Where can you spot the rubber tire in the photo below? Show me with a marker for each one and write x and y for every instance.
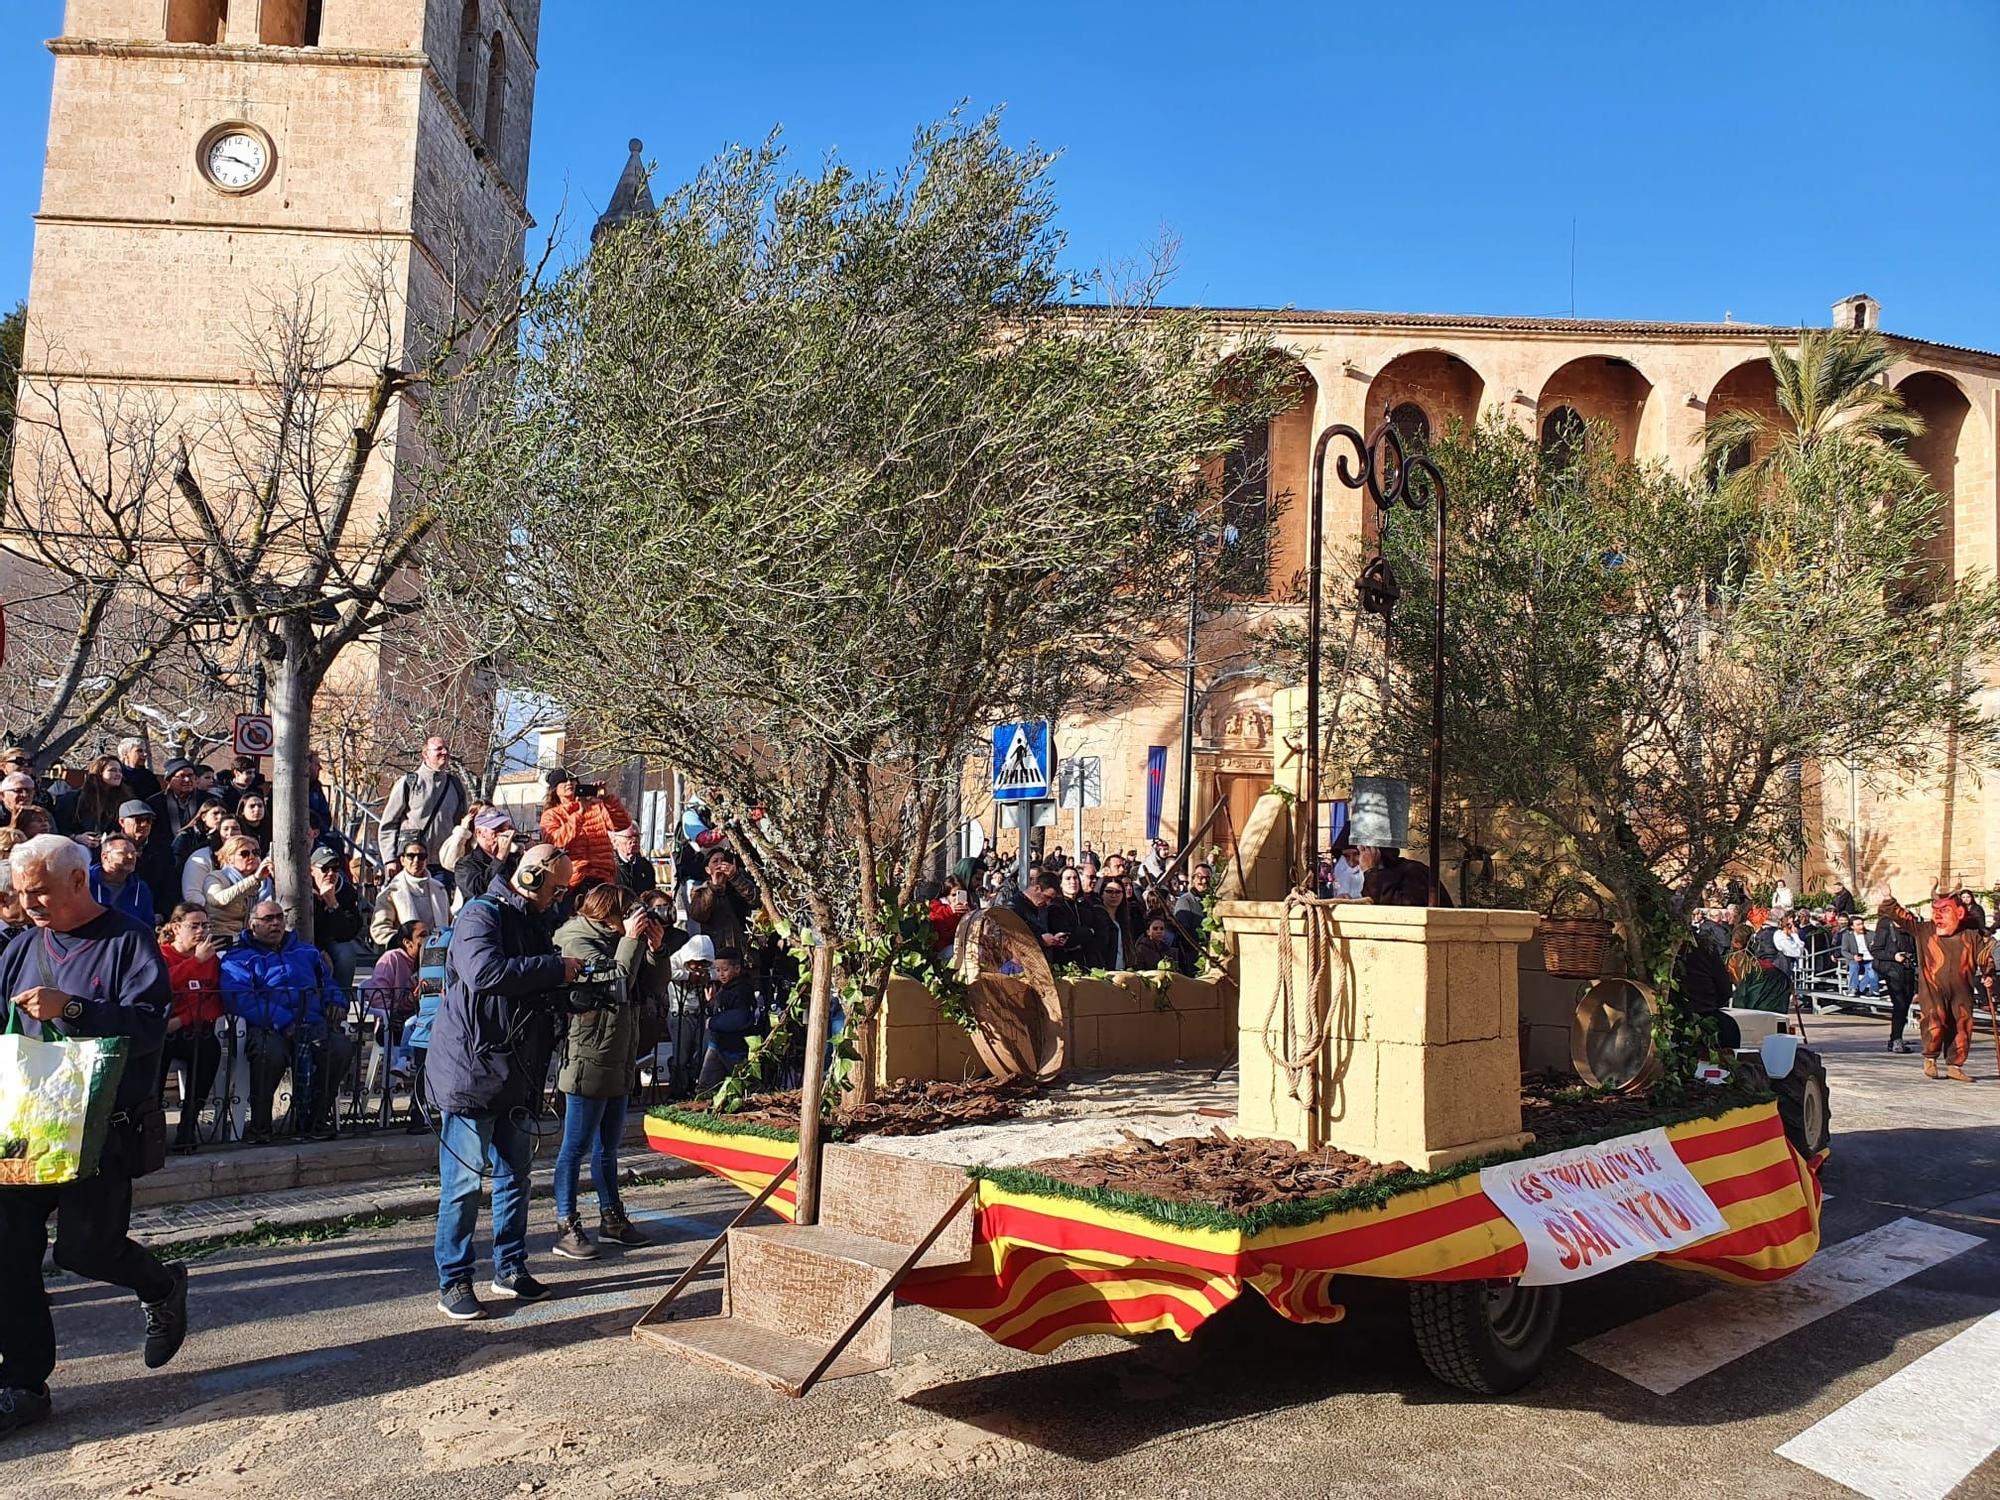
(1808, 1077)
(1455, 1334)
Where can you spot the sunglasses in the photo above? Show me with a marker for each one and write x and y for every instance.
(415, 854)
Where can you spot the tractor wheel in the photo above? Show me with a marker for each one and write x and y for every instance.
(1803, 1106)
(1487, 1337)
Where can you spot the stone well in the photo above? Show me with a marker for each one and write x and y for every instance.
(1421, 1057)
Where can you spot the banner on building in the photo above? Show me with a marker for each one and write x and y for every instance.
(1156, 789)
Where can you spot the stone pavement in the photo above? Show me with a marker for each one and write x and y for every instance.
(237, 1190)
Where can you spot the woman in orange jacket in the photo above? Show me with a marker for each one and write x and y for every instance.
(579, 816)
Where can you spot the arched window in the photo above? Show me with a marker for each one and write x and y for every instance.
(1562, 436)
(1246, 513)
(467, 79)
(1412, 426)
(496, 93)
(289, 23)
(203, 21)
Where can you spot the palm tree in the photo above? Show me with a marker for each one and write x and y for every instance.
(1835, 384)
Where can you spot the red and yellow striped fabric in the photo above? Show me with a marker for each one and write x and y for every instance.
(1047, 1269)
(747, 1161)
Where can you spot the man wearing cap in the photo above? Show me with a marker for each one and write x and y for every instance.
(424, 806)
(496, 850)
(336, 913)
(136, 758)
(177, 802)
(140, 822)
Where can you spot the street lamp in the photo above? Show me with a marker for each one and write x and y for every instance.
(1221, 539)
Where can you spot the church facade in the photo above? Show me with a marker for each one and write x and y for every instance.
(1653, 384)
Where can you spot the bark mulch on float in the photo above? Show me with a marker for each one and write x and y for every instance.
(1239, 1176)
(901, 1109)
(1231, 1173)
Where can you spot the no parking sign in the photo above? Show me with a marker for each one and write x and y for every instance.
(253, 734)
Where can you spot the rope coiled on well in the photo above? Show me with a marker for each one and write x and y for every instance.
(1299, 1061)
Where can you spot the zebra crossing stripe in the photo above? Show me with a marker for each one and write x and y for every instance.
(1918, 1434)
(1667, 1349)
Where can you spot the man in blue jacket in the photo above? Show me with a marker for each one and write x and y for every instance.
(293, 1015)
(115, 882)
(80, 969)
(480, 1082)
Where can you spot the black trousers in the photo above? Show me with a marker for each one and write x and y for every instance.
(1900, 980)
(197, 1048)
(92, 1218)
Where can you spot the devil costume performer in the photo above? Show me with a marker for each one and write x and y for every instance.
(1953, 960)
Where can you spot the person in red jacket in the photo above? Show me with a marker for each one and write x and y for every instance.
(194, 974)
(578, 817)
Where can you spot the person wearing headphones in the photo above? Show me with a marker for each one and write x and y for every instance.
(480, 1083)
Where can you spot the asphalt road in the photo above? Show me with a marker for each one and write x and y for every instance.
(323, 1370)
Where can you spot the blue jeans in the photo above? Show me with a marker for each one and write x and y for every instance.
(1861, 976)
(465, 1142)
(599, 1125)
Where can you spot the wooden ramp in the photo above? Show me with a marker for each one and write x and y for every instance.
(803, 1303)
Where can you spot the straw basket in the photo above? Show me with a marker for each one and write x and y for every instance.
(1577, 947)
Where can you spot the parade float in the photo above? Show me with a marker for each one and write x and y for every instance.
(1349, 1103)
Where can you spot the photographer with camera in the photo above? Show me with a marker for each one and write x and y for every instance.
(501, 975)
(720, 907)
(627, 962)
(579, 816)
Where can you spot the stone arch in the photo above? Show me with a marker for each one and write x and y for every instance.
(1749, 387)
(1947, 450)
(496, 93)
(465, 78)
(1437, 382)
(1600, 388)
(202, 21)
(1265, 484)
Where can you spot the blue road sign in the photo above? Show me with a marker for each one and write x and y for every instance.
(1024, 767)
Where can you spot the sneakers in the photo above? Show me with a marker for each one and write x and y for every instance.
(167, 1319)
(1904, 1048)
(22, 1408)
(458, 1303)
(572, 1243)
(520, 1286)
(616, 1229)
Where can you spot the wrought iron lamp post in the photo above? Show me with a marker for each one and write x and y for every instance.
(1385, 469)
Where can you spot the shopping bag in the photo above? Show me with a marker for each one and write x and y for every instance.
(57, 1096)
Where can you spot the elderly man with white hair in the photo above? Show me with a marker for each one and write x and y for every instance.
(136, 756)
(81, 969)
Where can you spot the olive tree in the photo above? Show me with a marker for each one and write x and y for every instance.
(801, 482)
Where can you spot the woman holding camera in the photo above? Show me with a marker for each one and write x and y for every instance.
(578, 816)
(600, 1053)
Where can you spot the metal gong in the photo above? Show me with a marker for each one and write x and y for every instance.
(1611, 1038)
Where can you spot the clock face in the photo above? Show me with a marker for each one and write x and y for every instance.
(236, 160)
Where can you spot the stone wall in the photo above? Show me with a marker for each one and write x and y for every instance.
(1127, 1021)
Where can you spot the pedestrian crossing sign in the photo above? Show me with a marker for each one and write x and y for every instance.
(1023, 762)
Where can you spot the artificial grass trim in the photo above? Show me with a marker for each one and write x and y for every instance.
(1294, 1213)
(714, 1124)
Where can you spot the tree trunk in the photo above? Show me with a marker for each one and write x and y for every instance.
(812, 1087)
(291, 736)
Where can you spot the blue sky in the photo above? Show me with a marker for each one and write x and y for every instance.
(1755, 159)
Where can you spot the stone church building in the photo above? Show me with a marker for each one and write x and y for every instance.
(1653, 384)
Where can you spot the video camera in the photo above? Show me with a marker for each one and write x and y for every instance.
(598, 986)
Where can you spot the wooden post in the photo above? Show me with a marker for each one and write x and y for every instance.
(819, 1009)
